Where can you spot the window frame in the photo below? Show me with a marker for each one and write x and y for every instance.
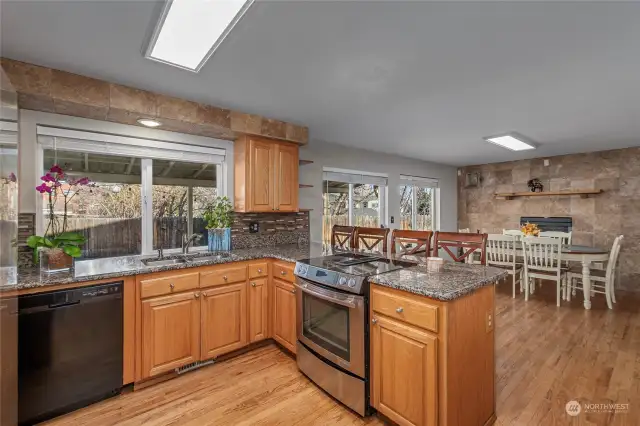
(424, 183)
(125, 140)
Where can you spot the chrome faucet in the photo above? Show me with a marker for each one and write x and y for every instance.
(187, 242)
(161, 242)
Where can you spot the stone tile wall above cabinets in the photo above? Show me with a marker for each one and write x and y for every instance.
(45, 89)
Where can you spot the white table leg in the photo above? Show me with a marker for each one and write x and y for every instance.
(586, 283)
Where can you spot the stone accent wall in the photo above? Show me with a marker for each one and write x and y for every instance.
(596, 220)
(275, 229)
(49, 90)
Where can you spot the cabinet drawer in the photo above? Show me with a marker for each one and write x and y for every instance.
(223, 275)
(257, 270)
(284, 271)
(169, 284)
(407, 309)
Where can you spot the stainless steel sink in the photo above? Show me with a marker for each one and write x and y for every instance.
(210, 257)
(163, 262)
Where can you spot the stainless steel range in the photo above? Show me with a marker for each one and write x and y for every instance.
(332, 322)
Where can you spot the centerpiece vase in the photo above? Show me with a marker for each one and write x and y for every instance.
(219, 239)
(54, 260)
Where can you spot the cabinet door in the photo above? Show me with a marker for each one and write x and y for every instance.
(261, 176)
(286, 178)
(404, 372)
(224, 319)
(284, 314)
(170, 332)
(258, 308)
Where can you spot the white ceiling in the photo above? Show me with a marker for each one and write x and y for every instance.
(418, 79)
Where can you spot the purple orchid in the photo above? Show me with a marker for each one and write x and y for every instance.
(56, 169)
(12, 177)
(47, 178)
(43, 188)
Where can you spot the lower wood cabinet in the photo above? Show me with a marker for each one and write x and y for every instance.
(224, 319)
(170, 332)
(258, 309)
(284, 314)
(404, 383)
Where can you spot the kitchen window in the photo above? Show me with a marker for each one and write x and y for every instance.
(353, 199)
(418, 203)
(144, 194)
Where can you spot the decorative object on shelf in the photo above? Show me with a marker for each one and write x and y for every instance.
(57, 248)
(435, 264)
(530, 229)
(535, 185)
(472, 180)
(219, 217)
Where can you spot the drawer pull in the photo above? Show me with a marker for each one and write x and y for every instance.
(399, 310)
(259, 270)
(374, 320)
(172, 286)
(225, 278)
(197, 295)
(293, 291)
(253, 284)
(283, 273)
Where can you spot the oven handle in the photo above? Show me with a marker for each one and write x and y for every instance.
(328, 295)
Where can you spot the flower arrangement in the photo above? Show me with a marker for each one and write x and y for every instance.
(219, 217)
(57, 241)
(530, 229)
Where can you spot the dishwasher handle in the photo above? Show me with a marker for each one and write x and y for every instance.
(63, 304)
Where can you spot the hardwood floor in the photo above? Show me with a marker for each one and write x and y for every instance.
(546, 356)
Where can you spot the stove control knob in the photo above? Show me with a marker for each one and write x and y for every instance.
(352, 282)
(342, 281)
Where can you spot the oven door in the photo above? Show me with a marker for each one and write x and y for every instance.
(331, 324)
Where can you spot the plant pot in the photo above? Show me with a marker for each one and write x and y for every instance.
(219, 239)
(54, 260)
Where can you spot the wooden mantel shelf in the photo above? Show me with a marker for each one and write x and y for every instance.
(583, 193)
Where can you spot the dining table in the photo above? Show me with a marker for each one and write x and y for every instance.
(587, 256)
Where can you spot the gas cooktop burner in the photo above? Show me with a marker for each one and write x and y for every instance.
(346, 271)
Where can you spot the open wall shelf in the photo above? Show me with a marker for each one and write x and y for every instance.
(302, 185)
(304, 162)
(583, 193)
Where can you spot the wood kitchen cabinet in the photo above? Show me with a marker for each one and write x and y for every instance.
(170, 332)
(266, 175)
(224, 319)
(258, 309)
(284, 314)
(405, 370)
(432, 361)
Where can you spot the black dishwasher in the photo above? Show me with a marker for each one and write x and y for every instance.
(69, 350)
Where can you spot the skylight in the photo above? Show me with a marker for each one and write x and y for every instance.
(189, 31)
(511, 141)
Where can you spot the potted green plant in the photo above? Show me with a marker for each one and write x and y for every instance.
(219, 217)
(56, 249)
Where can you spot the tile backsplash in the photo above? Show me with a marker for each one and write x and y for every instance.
(274, 229)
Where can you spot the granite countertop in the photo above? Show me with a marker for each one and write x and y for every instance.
(455, 281)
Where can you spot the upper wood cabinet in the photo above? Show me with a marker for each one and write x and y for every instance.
(266, 175)
(170, 332)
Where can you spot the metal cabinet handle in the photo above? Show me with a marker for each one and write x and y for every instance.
(172, 286)
(293, 291)
(225, 278)
(253, 284)
(259, 270)
(197, 295)
(399, 310)
(283, 272)
(374, 321)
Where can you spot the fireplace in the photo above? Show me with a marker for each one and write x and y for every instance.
(561, 224)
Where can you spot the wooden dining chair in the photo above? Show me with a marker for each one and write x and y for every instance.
(543, 261)
(373, 239)
(602, 281)
(461, 246)
(411, 242)
(501, 252)
(342, 237)
(565, 237)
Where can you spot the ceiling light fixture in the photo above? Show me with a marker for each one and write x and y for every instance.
(149, 122)
(189, 31)
(512, 141)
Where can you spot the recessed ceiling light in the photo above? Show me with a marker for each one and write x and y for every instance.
(148, 122)
(189, 31)
(512, 141)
